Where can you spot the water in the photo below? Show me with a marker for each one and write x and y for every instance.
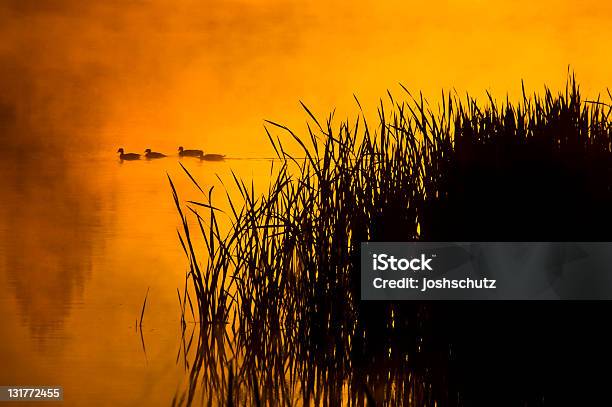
(77, 257)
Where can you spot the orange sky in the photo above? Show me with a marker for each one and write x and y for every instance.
(206, 73)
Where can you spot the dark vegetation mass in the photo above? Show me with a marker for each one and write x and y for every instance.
(276, 297)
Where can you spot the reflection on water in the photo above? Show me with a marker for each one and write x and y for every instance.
(77, 256)
(50, 218)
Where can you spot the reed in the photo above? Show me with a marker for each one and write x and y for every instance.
(278, 294)
(144, 306)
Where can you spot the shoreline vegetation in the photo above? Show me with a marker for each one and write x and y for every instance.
(276, 300)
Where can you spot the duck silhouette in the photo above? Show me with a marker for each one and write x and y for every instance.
(127, 156)
(212, 157)
(190, 153)
(152, 154)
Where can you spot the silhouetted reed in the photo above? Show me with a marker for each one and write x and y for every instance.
(277, 294)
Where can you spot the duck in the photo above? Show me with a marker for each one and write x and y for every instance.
(212, 157)
(190, 153)
(127, 156)
(152, 154)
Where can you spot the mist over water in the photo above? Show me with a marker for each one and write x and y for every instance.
(98, 74)
(83, 236)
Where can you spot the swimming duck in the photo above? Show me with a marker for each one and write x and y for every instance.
(212, 157)
(190, 153)
(128, 156)
(152, 154)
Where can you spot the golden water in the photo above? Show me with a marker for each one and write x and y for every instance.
(77, 260)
